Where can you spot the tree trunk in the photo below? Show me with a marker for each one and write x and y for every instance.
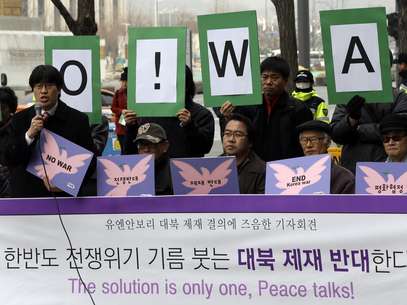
(288, 42)
(85, 24)
(402, 33)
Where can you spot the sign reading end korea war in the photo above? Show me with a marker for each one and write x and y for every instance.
(230, 58)
(356, 54)
(78, 60)
(156, 83)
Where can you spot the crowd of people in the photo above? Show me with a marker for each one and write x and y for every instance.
(283, 126)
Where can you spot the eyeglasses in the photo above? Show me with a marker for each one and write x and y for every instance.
(313, 140)
(236, 134)
(41, 85)
(395, 138)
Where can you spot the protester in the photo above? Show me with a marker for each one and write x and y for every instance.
(190, 133)
(276, 118)
(238, 139)
(355, 125)
(314, 137)
(304, 92)
(152, 139)
(25, 127)
(119, 104)
(393, 130)
(8, 105)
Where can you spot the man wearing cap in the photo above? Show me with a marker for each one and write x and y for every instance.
(304, 92)
(152, 139)
(314, 137)
(119, 103)
(393, 129)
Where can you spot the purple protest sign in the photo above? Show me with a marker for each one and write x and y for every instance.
(381, 178)
(130, 175)
(204, 176)
(305, 175)
(65, 162)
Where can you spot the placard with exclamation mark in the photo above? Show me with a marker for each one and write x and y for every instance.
(157, 69)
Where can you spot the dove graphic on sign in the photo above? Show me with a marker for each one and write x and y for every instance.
(122, 178)
(56, 159)
(375, 182)
(204, 181)
(293, 181)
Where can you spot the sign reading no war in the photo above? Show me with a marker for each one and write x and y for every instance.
(230, 58)
(356, 54)
(77, 58)
(156, 79)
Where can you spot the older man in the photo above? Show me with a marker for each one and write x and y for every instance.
(238, 141)
(152, 139)
(315, 138)
(393, 129)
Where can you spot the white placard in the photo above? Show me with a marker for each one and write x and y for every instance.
(355, 259)
(146, 71)
(230, 83)
(73, 77)
(358, 77)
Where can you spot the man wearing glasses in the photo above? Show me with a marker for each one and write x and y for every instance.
(315, 138)
(238, 141)
(25, 127)
(393, 129)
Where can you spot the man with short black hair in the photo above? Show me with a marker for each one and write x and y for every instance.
(315, 138)
(276, 118)
(238, 139)
(152, 139)
(25, 127)
(393, 129)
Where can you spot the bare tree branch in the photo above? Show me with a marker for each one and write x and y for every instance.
(288, 41)
(70, 22)
(85, 24)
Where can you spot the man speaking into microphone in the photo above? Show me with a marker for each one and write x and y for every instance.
(50, 112)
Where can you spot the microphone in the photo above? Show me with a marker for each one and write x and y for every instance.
(38, 109)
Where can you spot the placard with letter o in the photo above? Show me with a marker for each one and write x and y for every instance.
(78, 60)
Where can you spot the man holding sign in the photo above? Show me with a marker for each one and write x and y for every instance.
(276, 118)
(190, 133)
(356, 54)
(50, 112)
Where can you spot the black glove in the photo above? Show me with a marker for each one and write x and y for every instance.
(354, 107)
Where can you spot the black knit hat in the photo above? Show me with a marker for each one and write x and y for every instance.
(393, 122)
(315, 125)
